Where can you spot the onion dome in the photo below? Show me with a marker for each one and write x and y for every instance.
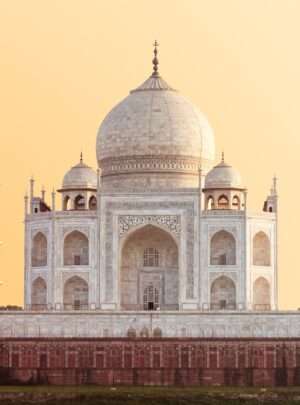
(155, 130)
(79, 177)
(223, 176)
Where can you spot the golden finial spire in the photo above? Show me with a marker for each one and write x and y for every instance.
(155, 60)
(81, 157)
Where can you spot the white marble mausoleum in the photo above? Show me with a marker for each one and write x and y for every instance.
(158, 227)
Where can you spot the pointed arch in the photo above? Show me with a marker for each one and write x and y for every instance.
(92, 203)
(236, 202)
(39, 250)
(39, 294)
(67, 203)
(210, 203)
(261, 295)
(223, 202)
(149, 267)
(157, 332)
(76, 249)
(222, 249)
(223, 294)
(76, 294)
(131, 333)
(79, 202)
(261, 249)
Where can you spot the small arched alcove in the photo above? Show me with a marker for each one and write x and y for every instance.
(76, 249)
(76, 294)
(39, 294)
(39, 250)
(261, 250)
(222, 249)
(223, 294)
(79, 202)
(261, 295)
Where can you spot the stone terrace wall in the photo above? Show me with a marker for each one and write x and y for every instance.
(144, 361)
(146, 323)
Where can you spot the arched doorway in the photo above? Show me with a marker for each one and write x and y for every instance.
(76, 249)
(261, 250)
(222, 249)
(223, 294)
(149, 270)
(39, 295)
(261, 295)
(76, 294)
(39, 250)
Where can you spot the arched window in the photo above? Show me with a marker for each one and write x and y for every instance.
(93, 203)
(223, 202)
(222, 249)
(39, 250)
(76, 249)
(76, 294)
(39, 295)
(151, 257)
(210, 205)
(144, 332)
(151, 298)
(270, 209)
(131, 333)
(261, 295)
(261, 250)
(67, 203)
(79, 203)
(236, 203)
(223, 294)
(157, 332)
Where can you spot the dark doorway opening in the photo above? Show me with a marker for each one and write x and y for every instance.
(150, 306)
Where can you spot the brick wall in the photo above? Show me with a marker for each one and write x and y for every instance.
(150, 361)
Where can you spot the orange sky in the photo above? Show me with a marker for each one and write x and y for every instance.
(65, 64)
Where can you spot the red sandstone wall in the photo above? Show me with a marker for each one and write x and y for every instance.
(144, 361)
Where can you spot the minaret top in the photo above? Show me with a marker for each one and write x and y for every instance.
(155, 61)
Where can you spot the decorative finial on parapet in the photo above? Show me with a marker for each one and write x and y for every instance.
(43, 192)
(274, 189)
(53, 199)
(223, 157)
(26, 203)
(81, 157)
(155, 60)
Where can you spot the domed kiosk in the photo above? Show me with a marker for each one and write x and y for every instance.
(79, 187)
(154, 138)
(223, 188)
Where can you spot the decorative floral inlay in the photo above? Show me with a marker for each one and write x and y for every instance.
(126, 222)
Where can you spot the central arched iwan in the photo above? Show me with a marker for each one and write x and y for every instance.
(149, 262)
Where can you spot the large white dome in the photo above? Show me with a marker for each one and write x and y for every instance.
(155, 130)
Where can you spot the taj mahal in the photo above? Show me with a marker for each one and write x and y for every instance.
(151, 270)
(158, 227)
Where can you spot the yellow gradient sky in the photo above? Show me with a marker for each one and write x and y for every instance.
(66, 63)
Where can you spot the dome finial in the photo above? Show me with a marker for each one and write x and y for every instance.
(81, 157)
(155, 60)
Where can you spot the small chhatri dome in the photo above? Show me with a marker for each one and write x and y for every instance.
(155, 130)
(80, 176)
(223, 176)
